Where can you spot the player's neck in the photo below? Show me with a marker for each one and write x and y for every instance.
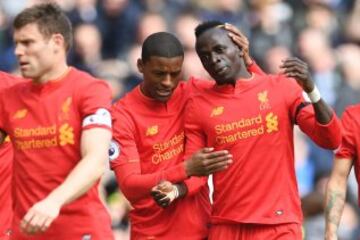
(53, 74)
(243, 74)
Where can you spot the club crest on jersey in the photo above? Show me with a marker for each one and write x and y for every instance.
(66, 105)
(217, 111)
(263, 99)
(153, 130)
(20, 114)
(65, 109)
(114, 150)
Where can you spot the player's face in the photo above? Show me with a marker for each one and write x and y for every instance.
(219, 55)
(161, 76)
(34, 52)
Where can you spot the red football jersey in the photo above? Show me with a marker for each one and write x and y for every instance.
(254, 121)
(44, 122)
(148, 148)
(350, 145)
(6, 159)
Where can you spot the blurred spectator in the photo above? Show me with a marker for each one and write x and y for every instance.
(270, 27)
(84, 11)
(274, 57)
(87, 48)
(349, 91)
(323, 18)
(118, 22)
(150, 23)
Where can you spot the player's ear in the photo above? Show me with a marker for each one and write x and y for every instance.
(140, 65)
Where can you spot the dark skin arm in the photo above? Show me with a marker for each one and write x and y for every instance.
(299, 70)
(207, 161)
(241, 41)
(202, 163)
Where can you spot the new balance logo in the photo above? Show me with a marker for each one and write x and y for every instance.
(153, 130)
(20, 113)
(217, 111)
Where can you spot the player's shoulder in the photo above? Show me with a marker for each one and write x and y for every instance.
(126, 104)
(16, 88)
(7, 80)
(199, 83)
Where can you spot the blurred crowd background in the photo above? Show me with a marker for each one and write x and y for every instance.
(325, 33)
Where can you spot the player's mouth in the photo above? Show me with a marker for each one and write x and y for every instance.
(221, 70)
(24, 65)
(164, 92)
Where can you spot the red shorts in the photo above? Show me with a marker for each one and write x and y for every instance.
(288, 231)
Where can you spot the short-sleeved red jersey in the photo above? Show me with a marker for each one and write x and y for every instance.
(6, 159)
(350, 145)
(44, 122)
(150, 139)
(254, 120)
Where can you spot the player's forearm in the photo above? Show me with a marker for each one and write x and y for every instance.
(94, 150)
(137, 186)
(325, 135)
(194, 184)
(323, 113)
(79, 181)
(335, 200)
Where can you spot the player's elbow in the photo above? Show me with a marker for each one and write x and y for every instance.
(331, 142)
(128, 192)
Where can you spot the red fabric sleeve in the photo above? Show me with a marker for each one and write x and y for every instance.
(194, 184)
(195, 140)
(254, 68)
(348, 144)
(6, 81)
(326, 136)
(132, 182)
(94, 95)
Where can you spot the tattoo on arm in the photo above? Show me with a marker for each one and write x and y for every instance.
(334, 207)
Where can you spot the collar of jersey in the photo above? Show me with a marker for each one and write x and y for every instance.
(52, 83)
(240, 85)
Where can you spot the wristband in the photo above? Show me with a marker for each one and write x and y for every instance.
(173, 194)
(314, 95)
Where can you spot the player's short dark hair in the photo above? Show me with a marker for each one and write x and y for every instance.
(161, 44)
(49, 18)
(203, 27)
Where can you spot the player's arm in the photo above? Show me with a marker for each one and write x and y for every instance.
(164, 194)
(136, 185)
(325, 130)
(94, 147)
(335, 196)
(125, 161)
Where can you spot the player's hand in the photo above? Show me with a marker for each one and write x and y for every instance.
(164, 193)
(207, 161)
(40, 216)
(241, 41)
(299, 70)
